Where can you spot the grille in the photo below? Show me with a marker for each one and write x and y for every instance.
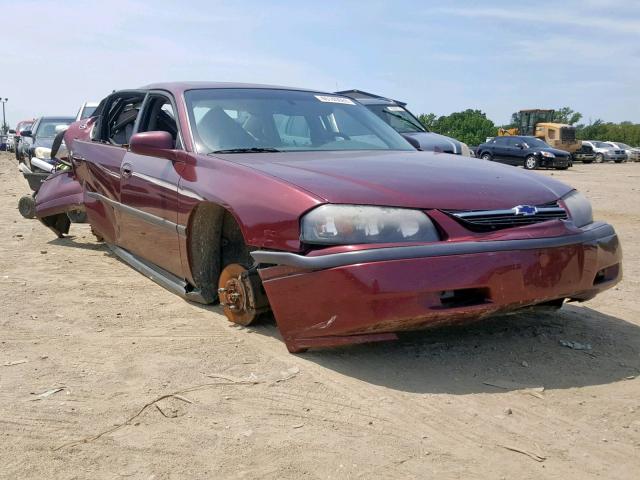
(567, 134)
(489, 220)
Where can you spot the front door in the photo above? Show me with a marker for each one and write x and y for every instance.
(149, 192)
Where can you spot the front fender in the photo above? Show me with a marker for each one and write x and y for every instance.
(59, 193)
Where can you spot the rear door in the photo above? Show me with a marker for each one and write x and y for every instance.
(149, 190)
(98, 161)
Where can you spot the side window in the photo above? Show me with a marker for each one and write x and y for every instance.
(118, 118)
(512, 142)
(159, 116)
(500, 142)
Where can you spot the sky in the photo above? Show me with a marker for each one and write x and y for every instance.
(439, 57)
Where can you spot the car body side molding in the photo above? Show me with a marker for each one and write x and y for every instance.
(146, 216)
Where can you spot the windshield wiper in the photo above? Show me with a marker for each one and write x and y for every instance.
(246, 150)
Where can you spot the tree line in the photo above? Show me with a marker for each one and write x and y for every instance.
(473, 127)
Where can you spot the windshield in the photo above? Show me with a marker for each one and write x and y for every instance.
(536, 143)
(238, 120)
(50, 127)
(87, 112)
(622, 145)
(398, 118)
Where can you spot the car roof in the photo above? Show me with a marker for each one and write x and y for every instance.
(57, 117)
(178, 88)
(367, 98)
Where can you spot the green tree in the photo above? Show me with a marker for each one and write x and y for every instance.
(567, 115)
(428, 120)
(470, 126)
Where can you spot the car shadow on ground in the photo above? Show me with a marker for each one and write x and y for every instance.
(70, 241)
(512, 352)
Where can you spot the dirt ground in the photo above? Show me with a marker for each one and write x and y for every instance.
(501, 399)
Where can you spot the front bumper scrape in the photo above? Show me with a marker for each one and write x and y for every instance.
(367, 295)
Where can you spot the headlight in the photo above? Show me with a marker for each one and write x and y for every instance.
(42, 153)
(353, 224)
(547, 154)
(579, 208)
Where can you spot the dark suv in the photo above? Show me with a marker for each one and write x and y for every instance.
(530, 152)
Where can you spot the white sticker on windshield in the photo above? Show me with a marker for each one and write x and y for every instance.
(328, 99)
(393, 108)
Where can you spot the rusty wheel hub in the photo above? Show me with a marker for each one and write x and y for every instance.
(241, 294)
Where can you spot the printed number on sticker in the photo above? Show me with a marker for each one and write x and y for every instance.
(328, 99)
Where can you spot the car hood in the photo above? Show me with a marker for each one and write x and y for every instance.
(409, 179)
(434, 142)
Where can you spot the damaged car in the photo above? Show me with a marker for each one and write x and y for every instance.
(339, 227)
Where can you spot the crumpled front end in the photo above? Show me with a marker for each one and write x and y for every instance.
(58, 195)
(368, 295)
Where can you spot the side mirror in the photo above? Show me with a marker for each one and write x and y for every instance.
(151, 143)
(26, 133)
(413, 141)
(519, 145)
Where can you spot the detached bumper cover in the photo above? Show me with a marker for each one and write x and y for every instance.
(58, 194)
(370, 294)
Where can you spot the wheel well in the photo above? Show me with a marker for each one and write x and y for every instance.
(214, 240)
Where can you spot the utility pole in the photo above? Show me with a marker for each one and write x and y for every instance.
(4, 120)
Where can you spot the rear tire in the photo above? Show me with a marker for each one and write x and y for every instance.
(27, 206)
(530, 163)
(486, 156)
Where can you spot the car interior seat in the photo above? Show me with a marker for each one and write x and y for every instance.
(218, 131)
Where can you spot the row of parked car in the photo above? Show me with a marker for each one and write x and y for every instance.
(32, 139)
(532, 153)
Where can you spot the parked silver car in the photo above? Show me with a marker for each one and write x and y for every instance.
(633, 153)
(605, 152)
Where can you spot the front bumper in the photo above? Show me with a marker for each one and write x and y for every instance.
(616, 157)
(556, 162)
(366, 295)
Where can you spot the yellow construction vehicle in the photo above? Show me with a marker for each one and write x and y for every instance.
(539, 123)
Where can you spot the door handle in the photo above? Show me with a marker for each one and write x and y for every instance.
(126, 170)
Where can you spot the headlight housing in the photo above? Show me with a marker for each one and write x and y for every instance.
(547, 154)
(579, 208)
(354, 224)
(42, 153)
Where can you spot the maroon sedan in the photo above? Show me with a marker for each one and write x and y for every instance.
(307, 204)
